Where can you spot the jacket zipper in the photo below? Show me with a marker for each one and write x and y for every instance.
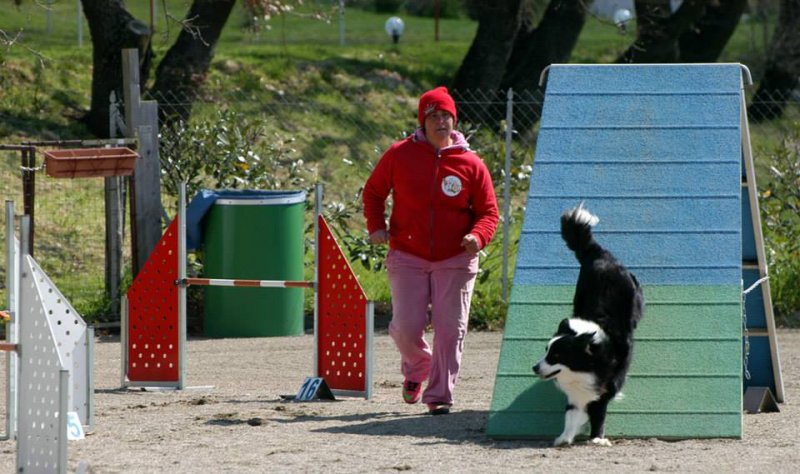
(436, 161)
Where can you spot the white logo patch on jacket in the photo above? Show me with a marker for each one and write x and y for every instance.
(451, 186)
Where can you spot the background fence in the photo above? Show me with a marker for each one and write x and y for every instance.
(69, 224)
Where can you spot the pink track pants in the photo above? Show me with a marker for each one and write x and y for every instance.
(447, 286)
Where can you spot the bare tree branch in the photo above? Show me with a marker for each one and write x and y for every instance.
(9, 42)
(189, 26)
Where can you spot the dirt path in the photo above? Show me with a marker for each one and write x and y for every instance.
(242, 425)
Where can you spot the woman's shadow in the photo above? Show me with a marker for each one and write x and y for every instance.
(458, 427)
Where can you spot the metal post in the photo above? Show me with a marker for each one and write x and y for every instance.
(115, 209)
(49, 9)
(369, 352)
(181, 288)
(90, 376)
(63, 407)
(123, 340)
(507, 188)
(436, 20)
(12, 332)
(317, 213)
(341, 22)
(29, 192)
(80, 23)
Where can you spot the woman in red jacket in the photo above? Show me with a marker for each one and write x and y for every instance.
(444, 212)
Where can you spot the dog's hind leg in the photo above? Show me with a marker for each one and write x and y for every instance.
(574, 419)
(597, 419)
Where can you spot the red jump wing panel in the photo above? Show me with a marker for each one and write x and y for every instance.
(153, 332)
(342, 326)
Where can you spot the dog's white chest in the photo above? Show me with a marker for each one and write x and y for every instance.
(580, 387)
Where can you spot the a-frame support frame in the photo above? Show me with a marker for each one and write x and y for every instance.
(760, 334)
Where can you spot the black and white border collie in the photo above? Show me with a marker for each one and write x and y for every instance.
(590, 353)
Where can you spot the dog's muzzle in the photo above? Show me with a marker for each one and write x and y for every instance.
(537, 369)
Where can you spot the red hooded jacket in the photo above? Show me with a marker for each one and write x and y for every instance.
(437, 198)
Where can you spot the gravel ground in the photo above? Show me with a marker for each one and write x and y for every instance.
(240, 424)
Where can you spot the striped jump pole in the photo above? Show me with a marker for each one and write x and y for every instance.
(154, 313)
(245, 283)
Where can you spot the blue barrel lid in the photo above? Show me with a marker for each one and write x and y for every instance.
(206, 198)
(255, 197)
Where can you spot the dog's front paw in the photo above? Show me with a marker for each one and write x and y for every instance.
(562, 441)
(601, 441)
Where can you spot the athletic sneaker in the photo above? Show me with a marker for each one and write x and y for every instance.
(439, 408)
(412, 391)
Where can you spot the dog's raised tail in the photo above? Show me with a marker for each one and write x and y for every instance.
(576, 229)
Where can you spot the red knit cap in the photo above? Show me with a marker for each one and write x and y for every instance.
(436, 99)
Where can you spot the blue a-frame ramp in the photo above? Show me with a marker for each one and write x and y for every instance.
(656, 152)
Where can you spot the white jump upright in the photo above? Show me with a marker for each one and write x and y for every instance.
(50, 359)
(44, 383)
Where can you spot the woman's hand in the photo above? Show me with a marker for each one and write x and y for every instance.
(471, 244)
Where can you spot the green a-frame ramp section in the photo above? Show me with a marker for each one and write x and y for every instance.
(656, 152)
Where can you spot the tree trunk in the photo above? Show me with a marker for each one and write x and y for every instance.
(657, 31)
(552, 41)
(782, 68)
(184, 68)
(485, 62)
(112, 29)
(704, 42)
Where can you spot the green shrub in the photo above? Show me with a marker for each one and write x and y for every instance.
(780, 207)
(230, 150)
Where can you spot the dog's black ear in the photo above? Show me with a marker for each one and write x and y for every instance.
(587, 340)
(563, 327)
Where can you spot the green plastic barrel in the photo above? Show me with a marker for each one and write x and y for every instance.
(254, 235)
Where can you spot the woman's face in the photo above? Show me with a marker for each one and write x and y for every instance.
(438, 126)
